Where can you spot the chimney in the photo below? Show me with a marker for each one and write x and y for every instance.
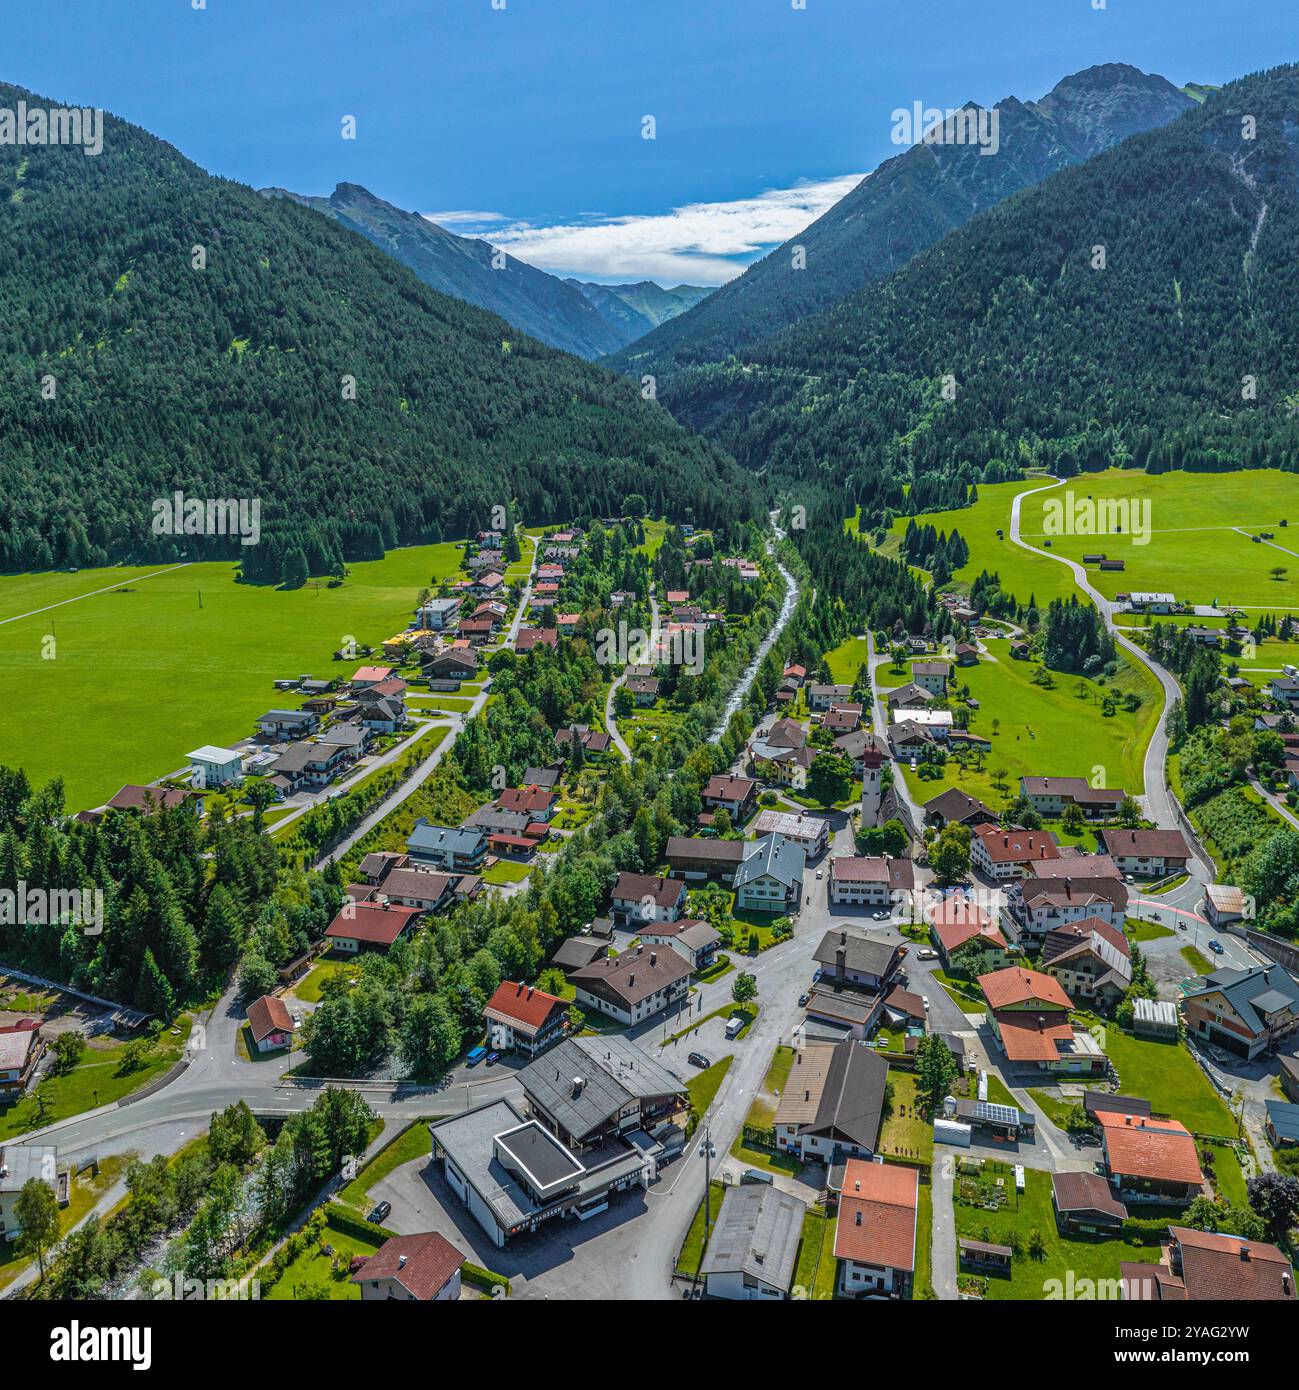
(1244, 1253)
(578, 1084)
(807, 1096)
(631, 979)
(654, 959)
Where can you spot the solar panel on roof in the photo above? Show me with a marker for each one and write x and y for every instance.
(996, 1113)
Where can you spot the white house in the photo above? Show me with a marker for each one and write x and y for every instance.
(754, 1244)
(211, 766)
(770, 876)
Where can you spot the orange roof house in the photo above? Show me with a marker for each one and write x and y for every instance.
(1018, 988)
(875, 1238)
(1145, 1154)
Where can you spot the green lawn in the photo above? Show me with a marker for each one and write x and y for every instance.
(313, 1267)
(906, 1132)
(815, 1267)
(98, 1079)
(924, 1238)
(89, 714)
(1139, 931)
(1200, 963)
(1166, 1074)
(308, 989)
(507, 871)
(413, 1142)
(1033, 1211)
(703, 1087)
(1228, 1177)
(692, 1249)
(1061, 731)
(845, 659)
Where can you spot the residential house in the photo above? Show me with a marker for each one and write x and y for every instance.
(1092, 970)
(1085, 1205)
(770, 876)
(1149, 1159)
(210, 767)
(1208, 1267)
(1146, 853)
(956, 922)
(1224, 904)
(698, 860)
(640, 898)
(931, 676)
(21, 1046)
(529, 637)
(270, 1024)
(1028, 1012)
(1246, 1012)
(151, 799)
(910, 696)
(537, 803)
(369, 926)
(870, 881)
(695, 941)
(1050, 795)
(842, 719)
(19, 1164)
(522, 1018)
(636, 984)
(415, 887)
(738, 795)
(821, 697)
(288, 723)
(832, 1105)
(438, 614)
(456, 663)
(576, 951)
(857, 960)
(875, 1236)
(420, 1268)
(595, 742)
(1152, 603)
(370, 675)
(1285, 691)
(1007, 854)
(1042, 902)
(810, 833)
(447, 847)
(754, 1244)
(954, 807)
(1282, 1123)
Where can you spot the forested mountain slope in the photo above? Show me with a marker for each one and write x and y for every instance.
(1140, 309)
(161, 328)
(906, 205)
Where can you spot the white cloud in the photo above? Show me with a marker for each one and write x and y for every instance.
(700, 243)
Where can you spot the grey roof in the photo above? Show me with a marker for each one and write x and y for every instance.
(852, 1100)
(849, 1005)
(614, 1072)
(1264, 987)
(426, 838)
(871, 955)
(546, 777)
(783, 859)
(493, 819)
(577, 951)
(21, 1162)
(343, 735)
(757, 1233)
(1284, 1118)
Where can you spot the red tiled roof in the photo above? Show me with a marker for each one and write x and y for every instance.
(430, 1261)
(1140, 1146)
(1017, 846)
(877, 1214)
(371, 922)
(268, 1015)
(1004, 989)
(954, 935)
(522, 1004)
(1232, 1269)
(1028, 1037)
(133, 798)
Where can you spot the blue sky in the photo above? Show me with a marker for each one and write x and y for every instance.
(531, 115)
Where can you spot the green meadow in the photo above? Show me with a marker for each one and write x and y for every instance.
(1059, 732)
(1193, 550)
(118, 686)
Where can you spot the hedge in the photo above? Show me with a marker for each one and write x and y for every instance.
(347, 1222)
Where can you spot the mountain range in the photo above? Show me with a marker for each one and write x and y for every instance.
(163, 329)
(588, 320)
(1139, 309)
(908, 204)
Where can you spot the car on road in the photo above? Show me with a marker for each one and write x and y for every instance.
(925, 997)
(802, 1000)
(698, 1059)
(756, 1175)
(820, 873)
(926, 953)
(493, 1058)
(879, 916)
(380, 1213)
(476, 1055)
(1215, 946)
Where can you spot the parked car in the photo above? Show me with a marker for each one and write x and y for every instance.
(926, 953)
(756, 1175)
(1215, 946)
(476, 1055)
(820, 873)
(802, 1000)
(380, 1213)
(493, 1058)
(925, 997)
(698, 1059)
(880, 916)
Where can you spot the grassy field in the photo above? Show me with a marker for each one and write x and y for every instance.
(1032, 1211)
(1166, 1074)
(312, 1268)
(98, 1079)
(1184, 508)
(1193, 550)
(815, 1267)
(692, 1248)
(190, 638)
(1060, 731)
(906, 1133)
(844, 660)
(703, 1086)
(412, 1143)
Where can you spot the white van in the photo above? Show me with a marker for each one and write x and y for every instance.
(734, 1024)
